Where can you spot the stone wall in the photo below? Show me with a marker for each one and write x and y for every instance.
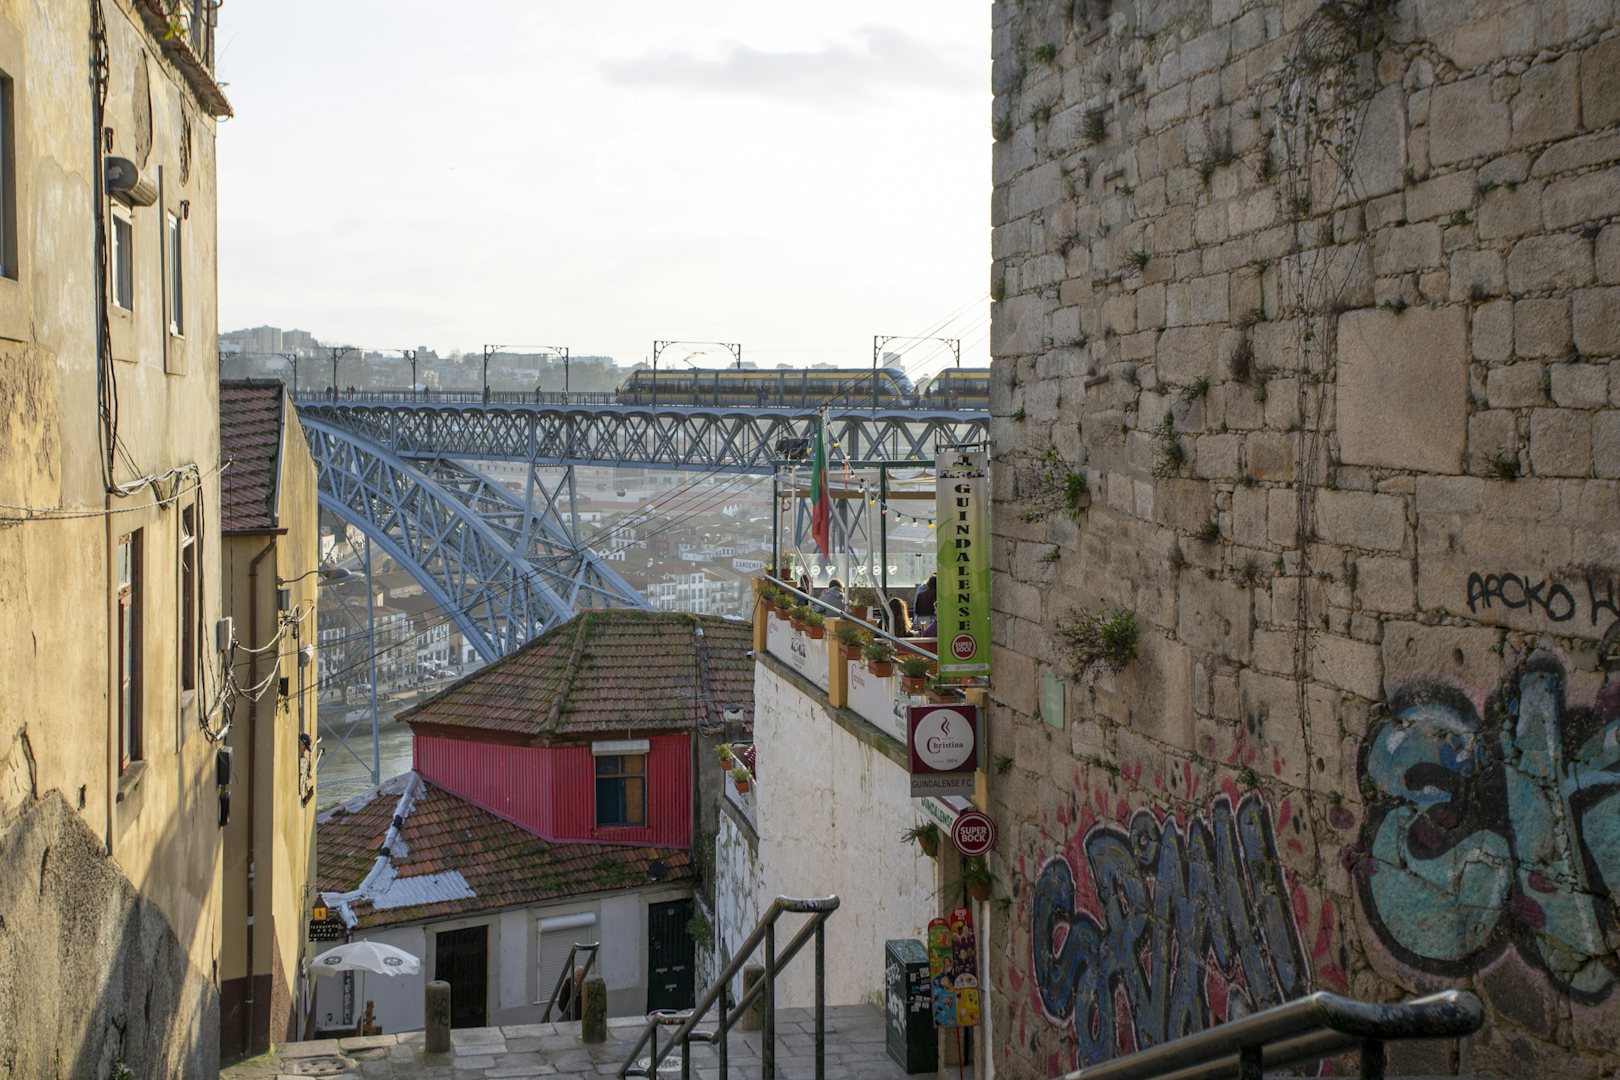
(91, 963)
(1322, 303)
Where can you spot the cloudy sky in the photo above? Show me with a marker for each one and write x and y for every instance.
(794, 177)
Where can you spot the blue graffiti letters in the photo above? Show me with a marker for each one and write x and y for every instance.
(1486, 833)
(1181, 909)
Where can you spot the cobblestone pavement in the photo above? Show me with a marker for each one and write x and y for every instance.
(855, 1051)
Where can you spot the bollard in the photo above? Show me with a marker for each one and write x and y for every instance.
(754, 1018)
(593, 1010)
(437, 1009)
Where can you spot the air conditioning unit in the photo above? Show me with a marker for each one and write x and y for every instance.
(126, 184)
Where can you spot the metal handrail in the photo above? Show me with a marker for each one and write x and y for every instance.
(567, 973)
(871, 628)
(819, 910)
(1307, 1029)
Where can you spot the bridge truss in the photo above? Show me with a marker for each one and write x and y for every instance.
(711, 439)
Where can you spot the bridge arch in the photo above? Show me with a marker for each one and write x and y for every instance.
(505, 569)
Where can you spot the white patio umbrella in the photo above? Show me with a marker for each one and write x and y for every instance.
(368, 956)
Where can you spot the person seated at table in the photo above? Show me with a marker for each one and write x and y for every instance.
(922, 603)
(899, 620)
(832, 597)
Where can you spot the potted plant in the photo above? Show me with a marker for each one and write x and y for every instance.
(927, 837)
(781, 603)
(740, 777)
(879, 658)
(941, 693)
(850, 640)
(815, 624)
(723, 752)
(914, 674)
(862, 599)
(976, 878)
(796, 615)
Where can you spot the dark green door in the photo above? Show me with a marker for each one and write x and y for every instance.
(461, 958)
(670, 956)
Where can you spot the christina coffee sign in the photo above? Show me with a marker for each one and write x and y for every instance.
(944, 742)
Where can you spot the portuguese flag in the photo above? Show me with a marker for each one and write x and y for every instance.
(821, 503)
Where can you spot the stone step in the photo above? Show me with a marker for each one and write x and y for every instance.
(854, 1051)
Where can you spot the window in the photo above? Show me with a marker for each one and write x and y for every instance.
(188, 598)
(8, 181)
(129, 649)
(177, 299)
(621, 789)
(123, 259)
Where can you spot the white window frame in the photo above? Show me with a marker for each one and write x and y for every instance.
(174, 238)
(120, 257)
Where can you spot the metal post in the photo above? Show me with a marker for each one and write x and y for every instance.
(821, 998)
(489, 351)
(371, 647)
(1372, 1060)
(883, 530)
(410, 354)
(294, 358)
(767, 1038)
(875, 347)
(1250, 1063)
(776, 521)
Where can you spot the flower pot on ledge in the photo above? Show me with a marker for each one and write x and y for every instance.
(815, 633)
(882, 670)
(911, 685)
(796, 624)
(979, 890)
(851, 652)
(857, 611)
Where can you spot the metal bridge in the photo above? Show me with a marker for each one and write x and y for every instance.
(509, 567)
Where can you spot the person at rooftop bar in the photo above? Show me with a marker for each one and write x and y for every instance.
(899, 620)
(832, 597)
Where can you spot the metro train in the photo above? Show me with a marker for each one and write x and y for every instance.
(808, 388)
(783, 389)
(957, 388)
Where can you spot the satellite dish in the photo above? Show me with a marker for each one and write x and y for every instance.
(657, 870)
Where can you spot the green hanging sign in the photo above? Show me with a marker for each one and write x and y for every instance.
(962, 597)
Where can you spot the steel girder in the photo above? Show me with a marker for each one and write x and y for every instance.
(668, 437)
(505, 569)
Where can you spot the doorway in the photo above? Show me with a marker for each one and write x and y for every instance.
(670, 955)
(461, 958)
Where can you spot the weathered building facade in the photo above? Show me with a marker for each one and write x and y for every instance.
(109, 553)
(1307, 519)
(271, 553)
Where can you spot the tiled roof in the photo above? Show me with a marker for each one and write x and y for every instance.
(250, 413)
(616, 670)
(450, 857)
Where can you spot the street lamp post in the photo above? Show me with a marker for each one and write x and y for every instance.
(489, 351)
(410, 354)
(292, 357)
(563, 349)
(338, 353)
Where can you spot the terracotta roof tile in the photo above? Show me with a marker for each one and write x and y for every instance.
(250, 416)
(504, 864)
(615, 670)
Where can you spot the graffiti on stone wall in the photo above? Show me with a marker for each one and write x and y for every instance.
(1165, 928)
(1598, 595)
(1496, 832)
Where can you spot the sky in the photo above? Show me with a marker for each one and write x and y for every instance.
(792, 177)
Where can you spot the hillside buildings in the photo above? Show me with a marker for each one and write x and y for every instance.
(110, 558)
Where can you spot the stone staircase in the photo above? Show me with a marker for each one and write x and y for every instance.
(855, 1051)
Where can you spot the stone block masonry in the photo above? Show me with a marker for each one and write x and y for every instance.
(1323, 301)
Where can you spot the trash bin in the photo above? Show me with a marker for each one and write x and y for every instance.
(909, 1025)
